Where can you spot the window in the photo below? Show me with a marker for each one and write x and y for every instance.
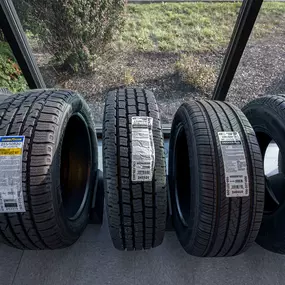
(262, 66)
(174, 49)
(11, 76)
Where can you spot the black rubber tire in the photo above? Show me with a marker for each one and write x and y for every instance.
(4, 94)
(136, 210)
(60, 150)
(267, 116)
(213, 225)
(281, 163)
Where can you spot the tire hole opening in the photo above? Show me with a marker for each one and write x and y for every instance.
(75, 169)
(182, 177)
(273, 165)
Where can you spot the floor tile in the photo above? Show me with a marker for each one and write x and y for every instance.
(81, 264)
(169, 264)
(97, 233)
(164, 264)
(9, 261)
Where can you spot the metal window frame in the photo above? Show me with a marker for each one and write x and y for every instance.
(241, 33)
(15, 36)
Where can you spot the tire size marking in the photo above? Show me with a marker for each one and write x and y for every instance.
(143, 152)
(11, 192)
(235, 165)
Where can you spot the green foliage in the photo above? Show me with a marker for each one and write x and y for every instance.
(179, 26)
(192, 27)
(75, 31)
(196, 74)
(10, 74)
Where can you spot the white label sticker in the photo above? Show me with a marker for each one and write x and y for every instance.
(11, 194)
(234, 164)
(143, 153)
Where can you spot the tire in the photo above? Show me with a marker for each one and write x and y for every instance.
(281, 163)
(136, 210)
(58, 168)
(267, 115)
(208, 223)
(4, 94)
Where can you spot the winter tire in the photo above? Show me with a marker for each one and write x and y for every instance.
(58, 170)
(136, 210)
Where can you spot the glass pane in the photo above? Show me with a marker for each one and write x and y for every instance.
(173, 49)
(11, 76)
(262, 67)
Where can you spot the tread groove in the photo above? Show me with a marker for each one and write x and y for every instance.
(251, 180)
(119, 171)
(218, 177)
(142, 185)
(28, 181)
(240, 199)
(129, 146)
(153, 180)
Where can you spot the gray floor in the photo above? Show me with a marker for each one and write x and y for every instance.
(93, 260)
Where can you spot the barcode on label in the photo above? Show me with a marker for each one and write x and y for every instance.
(10, 205)
(140, 135)
(240, 186)
(145, 166)
(143, 172)
(143, 163)
(142, 122)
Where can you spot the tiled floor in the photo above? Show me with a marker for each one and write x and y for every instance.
(93, 260)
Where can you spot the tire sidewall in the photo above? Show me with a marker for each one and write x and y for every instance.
(265, 120)
(185, 234)
(72, 228)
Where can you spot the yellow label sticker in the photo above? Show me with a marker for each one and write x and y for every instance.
(10, 151)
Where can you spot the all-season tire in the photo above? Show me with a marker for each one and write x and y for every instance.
(136, 210)
(4, 94)
(59, 167)
(207, 222)
(267, 116)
